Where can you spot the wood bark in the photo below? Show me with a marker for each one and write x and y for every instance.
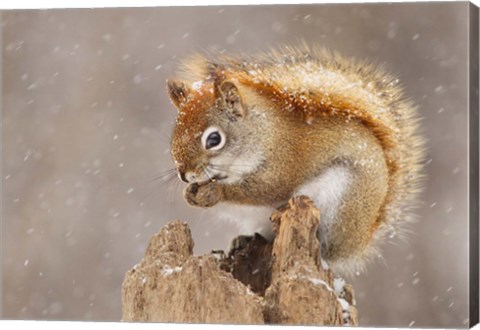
(257, 282)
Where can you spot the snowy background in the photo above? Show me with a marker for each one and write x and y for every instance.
(86, 125)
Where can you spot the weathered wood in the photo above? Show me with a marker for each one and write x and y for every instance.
(284, 282)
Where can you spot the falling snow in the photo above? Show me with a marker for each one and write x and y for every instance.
(78, 147)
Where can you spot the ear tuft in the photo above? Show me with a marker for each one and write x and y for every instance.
(231, 98)
(178, 92)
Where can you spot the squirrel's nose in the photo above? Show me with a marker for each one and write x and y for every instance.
(182, 177)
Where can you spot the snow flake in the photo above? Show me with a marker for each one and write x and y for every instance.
(338, 285)
(107, 37)
(170, 271)
(197, 85)
(344, 303)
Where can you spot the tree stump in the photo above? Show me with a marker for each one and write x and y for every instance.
(258, 282)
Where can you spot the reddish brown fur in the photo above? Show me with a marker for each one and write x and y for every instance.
(374, 102)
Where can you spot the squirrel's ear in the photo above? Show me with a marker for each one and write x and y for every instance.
(178, 92)
(231, 98)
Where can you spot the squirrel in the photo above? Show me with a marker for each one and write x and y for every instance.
(254, 131)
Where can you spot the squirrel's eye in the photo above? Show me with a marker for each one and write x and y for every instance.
(213, 139)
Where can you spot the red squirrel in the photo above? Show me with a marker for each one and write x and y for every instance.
(253, 131)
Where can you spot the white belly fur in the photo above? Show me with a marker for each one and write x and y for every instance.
(248, 219)
(327, 191)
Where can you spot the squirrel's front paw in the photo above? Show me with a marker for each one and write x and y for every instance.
(205, 195)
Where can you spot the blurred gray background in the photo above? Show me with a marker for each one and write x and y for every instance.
(86, 125)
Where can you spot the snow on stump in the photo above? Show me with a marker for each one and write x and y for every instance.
(258, 282)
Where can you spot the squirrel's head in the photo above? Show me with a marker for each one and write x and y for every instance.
(213, 138)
